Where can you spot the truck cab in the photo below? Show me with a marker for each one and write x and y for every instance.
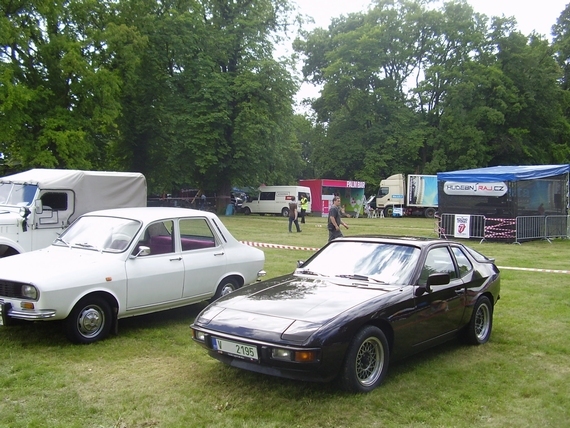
(391, 194)
(415, 194)
(37, 205)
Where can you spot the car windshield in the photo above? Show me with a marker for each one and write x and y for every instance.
(17, 194)
(110, 234)
(380, 262)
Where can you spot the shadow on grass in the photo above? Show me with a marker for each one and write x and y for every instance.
(286, 389)
(184, 315)
(28, 334)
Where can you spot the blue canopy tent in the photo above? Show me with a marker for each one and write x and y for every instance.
(505, 192)
(504, 173)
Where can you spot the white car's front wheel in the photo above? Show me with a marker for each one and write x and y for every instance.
(89, 321)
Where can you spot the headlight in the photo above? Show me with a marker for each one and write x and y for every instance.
(308, 356)
(29, 291)
(281, 354)
(198, 335)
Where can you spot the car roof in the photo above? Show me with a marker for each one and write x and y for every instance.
(399, 240)
(149, 214)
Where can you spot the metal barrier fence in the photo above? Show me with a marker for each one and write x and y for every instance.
(517, 230)
(530, 227)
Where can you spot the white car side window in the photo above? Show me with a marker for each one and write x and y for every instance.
(195, 234)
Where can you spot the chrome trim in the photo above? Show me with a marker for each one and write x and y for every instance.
(24, 314)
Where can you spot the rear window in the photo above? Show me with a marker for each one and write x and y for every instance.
(478, 256)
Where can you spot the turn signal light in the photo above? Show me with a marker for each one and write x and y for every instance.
(305, 356)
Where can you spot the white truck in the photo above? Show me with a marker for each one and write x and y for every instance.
(415, 194)
(37, 205)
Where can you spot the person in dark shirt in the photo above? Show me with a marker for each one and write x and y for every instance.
(335, 220)
(293, 214)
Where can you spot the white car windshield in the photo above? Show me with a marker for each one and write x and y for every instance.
(380, 262)
(110, 234)
(17, 194)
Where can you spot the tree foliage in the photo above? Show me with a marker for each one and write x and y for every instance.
(189, 92)
(420, 86)
(186, 92)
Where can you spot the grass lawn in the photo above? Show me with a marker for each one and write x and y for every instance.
(153, 375)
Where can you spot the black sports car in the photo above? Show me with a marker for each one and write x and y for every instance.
(352, 307)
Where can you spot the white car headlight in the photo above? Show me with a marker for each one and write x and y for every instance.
(29, 291)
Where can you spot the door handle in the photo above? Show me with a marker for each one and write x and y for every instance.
(219, 254)
(176, 259)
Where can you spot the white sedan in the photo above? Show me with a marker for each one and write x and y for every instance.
(119, 263)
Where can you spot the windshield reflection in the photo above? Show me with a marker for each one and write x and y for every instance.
(389, 263)
(109, 234)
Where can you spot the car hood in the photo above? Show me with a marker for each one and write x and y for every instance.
(58, 265)
(9, 216)
(290, 307)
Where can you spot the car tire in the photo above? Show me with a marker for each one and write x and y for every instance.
(285, 212)
(479, 328)
(429, 212)
(388, 211)
(226, 286)
(246, 211)
(366, 361)
(89, 321)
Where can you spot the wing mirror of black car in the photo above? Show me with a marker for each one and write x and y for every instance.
(433, 279)
(438, 279)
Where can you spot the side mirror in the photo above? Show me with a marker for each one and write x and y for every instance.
(438, 279)
(143, 251)
(300, 263)
(39, 206)
(433, 279)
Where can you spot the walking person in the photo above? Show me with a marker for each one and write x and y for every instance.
(335, 220)
(293, 214)
(304, 205)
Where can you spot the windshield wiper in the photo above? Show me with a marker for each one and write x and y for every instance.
(84, 245)
(360, 278)
(307, 272)
(58, 239)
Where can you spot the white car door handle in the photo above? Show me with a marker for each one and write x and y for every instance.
(219, 254)
(176, 259)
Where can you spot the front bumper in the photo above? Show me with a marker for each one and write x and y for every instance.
(319, 371)
(7, 312)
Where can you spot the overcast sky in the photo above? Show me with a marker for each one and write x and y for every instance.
(531, 16)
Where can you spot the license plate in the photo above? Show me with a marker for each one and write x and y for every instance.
(236, 349)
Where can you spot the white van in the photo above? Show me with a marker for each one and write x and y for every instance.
(276, 199)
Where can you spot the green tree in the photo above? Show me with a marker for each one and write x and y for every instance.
(59, 94)
(411, 87)
(210, 107)
(363, 62)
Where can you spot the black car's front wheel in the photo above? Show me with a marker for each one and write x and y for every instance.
(479, 328)
(366, 361)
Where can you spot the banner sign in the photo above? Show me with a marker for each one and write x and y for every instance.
(475, 189)
(461, 229)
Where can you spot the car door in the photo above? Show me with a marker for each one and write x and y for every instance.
(204, 258)
(156, 278)
(439, 311)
